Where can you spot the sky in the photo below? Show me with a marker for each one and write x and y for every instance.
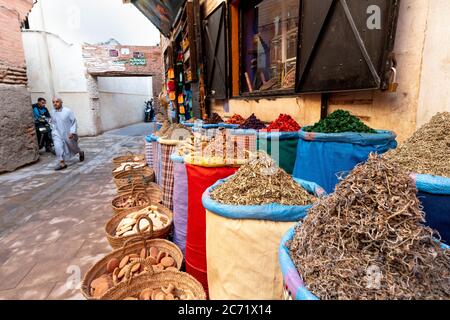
(94, 21)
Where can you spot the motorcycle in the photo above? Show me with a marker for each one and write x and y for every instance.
(44, 134)
(149, 111)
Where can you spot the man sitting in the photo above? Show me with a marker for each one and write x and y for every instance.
(41, 114)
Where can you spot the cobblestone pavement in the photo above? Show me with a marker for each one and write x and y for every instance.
(52, 223)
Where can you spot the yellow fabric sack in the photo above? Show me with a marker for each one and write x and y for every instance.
(242, 258)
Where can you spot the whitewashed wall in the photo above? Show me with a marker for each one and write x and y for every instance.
(122, 100)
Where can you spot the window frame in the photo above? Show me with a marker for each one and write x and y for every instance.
(289, 92)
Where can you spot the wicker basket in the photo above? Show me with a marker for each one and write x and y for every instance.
(154, 280)
(139, 200)
(138, 176)
(151, 189)
(99, 268)
(139, 167)
(129, 157)
(118, 242)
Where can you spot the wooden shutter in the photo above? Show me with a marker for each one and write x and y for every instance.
(215, 44)
(337, 49)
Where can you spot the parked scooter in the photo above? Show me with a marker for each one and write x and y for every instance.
(149, 111)
(44, 134)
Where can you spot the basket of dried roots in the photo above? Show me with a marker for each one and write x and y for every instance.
(129, 157)
(368, 240)
(143, 175)
(165, 285)
(134, 200)
(133, 259)
(151, 222)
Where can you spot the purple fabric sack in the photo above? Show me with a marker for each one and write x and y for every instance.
(180, 205)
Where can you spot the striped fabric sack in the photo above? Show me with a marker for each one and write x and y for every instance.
(167, 174)
(149, 151)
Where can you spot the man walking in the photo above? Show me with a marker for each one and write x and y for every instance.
(64, 134)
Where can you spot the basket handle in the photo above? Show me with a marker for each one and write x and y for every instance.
(143, 194)
(139, 232)
(126, 166)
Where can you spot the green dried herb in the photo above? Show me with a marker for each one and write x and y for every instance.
(340, 121)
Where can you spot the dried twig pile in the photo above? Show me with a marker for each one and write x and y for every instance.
(368, 241)
(259, 182)
(428, 150)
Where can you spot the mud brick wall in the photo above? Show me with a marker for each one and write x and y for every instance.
(126, 61)
(18, 145)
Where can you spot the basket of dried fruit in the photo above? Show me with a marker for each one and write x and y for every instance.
(133, 259)
(128, 157)
(133, 201)
(140, 175)
(151, 222)
(165, 285)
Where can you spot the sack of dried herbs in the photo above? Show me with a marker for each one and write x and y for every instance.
(367, 240)
(246, 215)
(261, 182)
(426, 154)
(324, 157)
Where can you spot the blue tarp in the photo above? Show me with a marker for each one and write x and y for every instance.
(271, 212)
(322, 157)
(434, 194)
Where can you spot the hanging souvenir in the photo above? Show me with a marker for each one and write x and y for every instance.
(171, 73)
(171, 85)
(182, 110)
(172, 95)
(180, 98)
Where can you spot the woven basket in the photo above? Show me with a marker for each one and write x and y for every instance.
(151, 189)
(99, 268)
(128, 167)
(154, 280)
(118, 242)
(140, 200)
(129, 157)
(138, 176)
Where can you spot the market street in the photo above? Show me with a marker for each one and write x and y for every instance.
(52, 222)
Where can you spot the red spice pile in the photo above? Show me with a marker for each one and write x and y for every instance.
(236, 119)
(284, 123)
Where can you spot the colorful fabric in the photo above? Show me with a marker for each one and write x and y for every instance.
(155, 159)
(180, 202)
(199, 179)
(149, 153)
(167, 174)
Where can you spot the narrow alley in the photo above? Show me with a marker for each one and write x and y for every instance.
(52, 222)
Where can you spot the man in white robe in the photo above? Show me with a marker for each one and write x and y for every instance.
(64, 132)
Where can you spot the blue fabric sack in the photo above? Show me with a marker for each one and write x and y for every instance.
(228, 125)
(271, 212)
(434, 194)
(322, 157)
(176, 158)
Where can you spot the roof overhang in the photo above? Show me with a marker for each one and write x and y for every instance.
(162, 13)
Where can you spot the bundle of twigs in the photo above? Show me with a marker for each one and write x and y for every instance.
(368, 241)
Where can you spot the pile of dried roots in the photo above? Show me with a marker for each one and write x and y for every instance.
(367, 240)
(427, 151)
(259, 182)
